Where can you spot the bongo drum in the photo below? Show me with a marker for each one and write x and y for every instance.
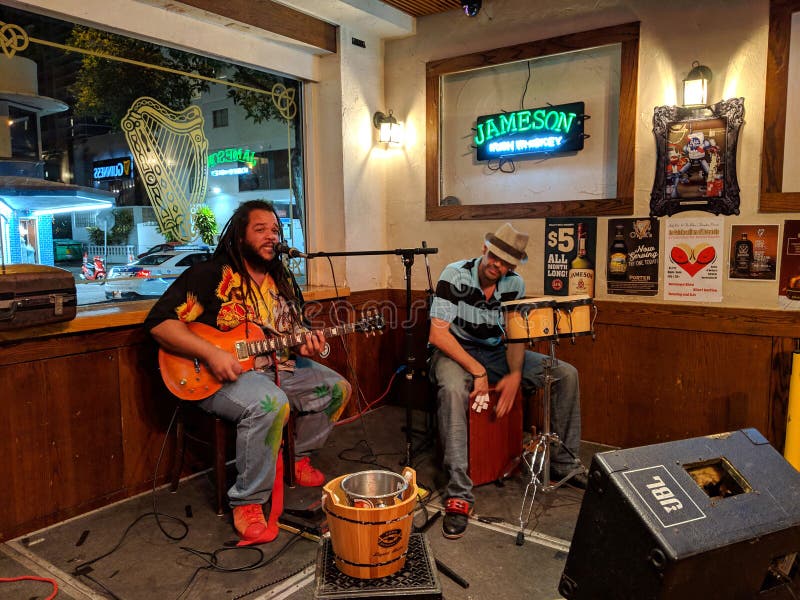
(575, 316)
(530, 319)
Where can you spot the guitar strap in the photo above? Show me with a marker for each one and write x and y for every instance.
(274, 357)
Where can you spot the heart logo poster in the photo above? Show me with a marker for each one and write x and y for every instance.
(694, 267)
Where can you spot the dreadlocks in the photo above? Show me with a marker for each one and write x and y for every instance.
(230, 246)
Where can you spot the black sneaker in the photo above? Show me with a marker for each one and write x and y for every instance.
(456, 518)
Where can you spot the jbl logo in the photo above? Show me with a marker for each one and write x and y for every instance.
(664, 495)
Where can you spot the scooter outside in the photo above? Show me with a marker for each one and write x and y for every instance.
(93, 271)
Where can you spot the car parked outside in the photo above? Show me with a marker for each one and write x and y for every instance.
(151, 275)
(166, 246)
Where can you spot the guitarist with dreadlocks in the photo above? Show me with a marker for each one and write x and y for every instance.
(245, 282)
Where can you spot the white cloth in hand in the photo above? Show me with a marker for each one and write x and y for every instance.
(481, 402)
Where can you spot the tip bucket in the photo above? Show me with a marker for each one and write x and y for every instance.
(370, 542)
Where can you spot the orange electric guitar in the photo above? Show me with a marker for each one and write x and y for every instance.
(190, 379)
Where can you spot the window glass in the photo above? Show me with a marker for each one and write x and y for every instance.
(217, 134)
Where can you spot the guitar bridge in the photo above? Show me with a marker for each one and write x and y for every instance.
(240, 350)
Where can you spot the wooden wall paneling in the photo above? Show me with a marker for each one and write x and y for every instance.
(742, 321)
(642, 386)
(49, 347)
(62, 442)
(146, 408)
(778, 407)
(24, 446)
(82, 400)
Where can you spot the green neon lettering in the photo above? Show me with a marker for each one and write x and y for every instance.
(481, 137)
(566, 121)
(538, 119)
(523, 120)
(508, 123)
(551, 120)
(491, 129)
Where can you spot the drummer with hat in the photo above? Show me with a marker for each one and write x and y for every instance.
(469, 355)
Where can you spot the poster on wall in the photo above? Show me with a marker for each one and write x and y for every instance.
(693, 270)
(632, 263)
(753, 252)
(569, 256)
(789, 281)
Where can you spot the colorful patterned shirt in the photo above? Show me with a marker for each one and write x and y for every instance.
(211, 293)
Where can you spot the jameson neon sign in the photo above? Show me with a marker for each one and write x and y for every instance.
(229, 155)
(550, 129)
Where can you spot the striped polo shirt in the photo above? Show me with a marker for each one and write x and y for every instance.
(459, 300)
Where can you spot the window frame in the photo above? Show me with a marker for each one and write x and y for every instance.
(772, 197)
(627, 35)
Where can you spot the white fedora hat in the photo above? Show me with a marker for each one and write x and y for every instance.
(508, 243)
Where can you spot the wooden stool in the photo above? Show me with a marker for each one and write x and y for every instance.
(218, 446)
(495, 445)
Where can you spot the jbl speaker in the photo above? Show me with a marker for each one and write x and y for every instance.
(709, 517)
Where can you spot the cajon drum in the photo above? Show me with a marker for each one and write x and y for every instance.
(495, 445)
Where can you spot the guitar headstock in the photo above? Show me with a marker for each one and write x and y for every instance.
(371, 323)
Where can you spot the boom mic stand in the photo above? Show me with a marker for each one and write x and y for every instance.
(407, 255)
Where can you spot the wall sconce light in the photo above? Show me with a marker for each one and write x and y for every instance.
(390, 131)
(695, 86)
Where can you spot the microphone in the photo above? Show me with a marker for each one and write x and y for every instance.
(281, 248)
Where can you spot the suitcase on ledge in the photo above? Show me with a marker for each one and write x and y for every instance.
(33, 295)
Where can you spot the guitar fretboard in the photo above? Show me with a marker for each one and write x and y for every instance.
(274, 344)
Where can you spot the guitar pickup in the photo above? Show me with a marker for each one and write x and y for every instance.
(240, 350)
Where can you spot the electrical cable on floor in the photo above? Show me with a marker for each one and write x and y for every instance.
(368, 458)
(153, 513)
(84, 568)
(213, 562)
(371, 404)
(34, 578)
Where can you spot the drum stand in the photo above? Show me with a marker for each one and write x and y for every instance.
(536, 453)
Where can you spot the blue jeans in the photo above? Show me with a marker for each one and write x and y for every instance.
(454, 384)
(259, 408)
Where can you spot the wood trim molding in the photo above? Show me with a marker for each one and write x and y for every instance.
(742, 321)
(628, 36)
(772, 198)
(276, 18)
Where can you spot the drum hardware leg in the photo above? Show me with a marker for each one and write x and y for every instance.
(536, 453)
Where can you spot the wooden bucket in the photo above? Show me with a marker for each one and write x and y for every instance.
(369, 543)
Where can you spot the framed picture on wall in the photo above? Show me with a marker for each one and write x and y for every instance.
(696, 158)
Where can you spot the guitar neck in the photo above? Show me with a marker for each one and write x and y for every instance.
(281, 342)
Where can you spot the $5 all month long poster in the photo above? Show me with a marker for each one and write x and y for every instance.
(561, 249)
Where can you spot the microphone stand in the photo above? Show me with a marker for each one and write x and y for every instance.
(407, 255)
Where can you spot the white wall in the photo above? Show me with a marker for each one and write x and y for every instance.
(730, 36)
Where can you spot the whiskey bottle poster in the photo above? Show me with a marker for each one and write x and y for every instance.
(569, 256)
(632, 263)
(753, 252)
(789, 280)
(693, 263)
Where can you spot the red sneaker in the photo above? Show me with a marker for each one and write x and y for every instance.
(251, 526)
(306, 475)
